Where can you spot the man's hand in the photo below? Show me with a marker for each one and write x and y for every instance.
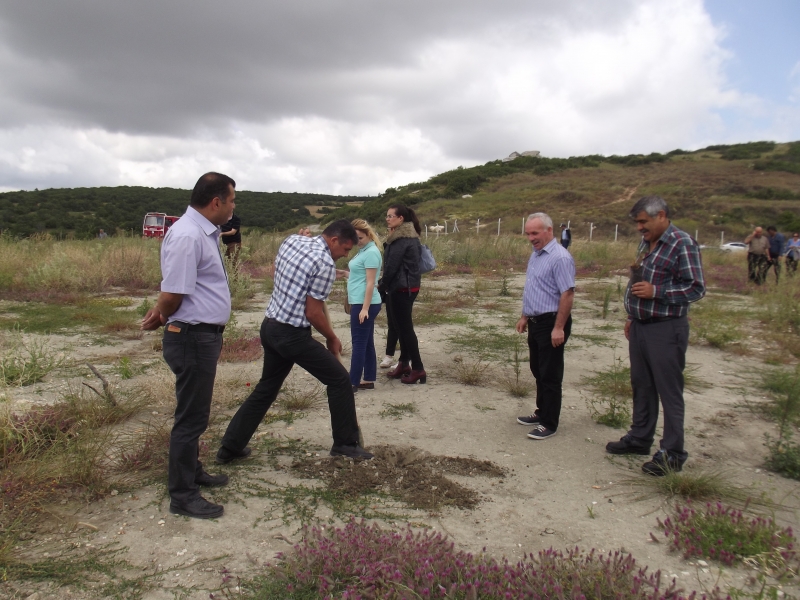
(557, 336)
(334, 345)
(153, 320)
(628, 329)
(342, 273)
(644, 290)
(522, 324)
(304, 231)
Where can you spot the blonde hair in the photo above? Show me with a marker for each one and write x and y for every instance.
(362, 226)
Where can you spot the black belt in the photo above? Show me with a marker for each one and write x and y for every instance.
(542, 317)
(271, 320)
(198, 327)
(655, 320)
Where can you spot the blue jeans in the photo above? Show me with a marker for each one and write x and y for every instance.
(363, 356)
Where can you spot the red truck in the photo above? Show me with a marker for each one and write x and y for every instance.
(156, 224)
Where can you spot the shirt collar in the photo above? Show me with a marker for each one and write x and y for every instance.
(207, 226)
(321, 241)
(665, 237)
(369, 244)
(548, 247)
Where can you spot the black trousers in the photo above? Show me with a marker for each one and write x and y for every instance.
(658, 357)
(400, 305)
(192, 357)
(757, 267)
(391, 335)
(285, 346)
(547, 366)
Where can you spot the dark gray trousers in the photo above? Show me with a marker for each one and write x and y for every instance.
(193, 357)
(284, 347)
(658, 357)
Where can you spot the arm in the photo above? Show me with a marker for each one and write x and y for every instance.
(166, 305)
(315, 313)
(392, 263)
(364, 314)
(689, 286)
(522, 324)
(564, 309)
(229, 232)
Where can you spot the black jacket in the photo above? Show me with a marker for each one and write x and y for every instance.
(401, 257)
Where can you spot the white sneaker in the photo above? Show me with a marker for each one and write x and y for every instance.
(386, 362)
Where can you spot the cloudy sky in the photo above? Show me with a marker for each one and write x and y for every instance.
(354, 96)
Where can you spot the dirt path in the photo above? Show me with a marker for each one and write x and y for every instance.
(562, 492)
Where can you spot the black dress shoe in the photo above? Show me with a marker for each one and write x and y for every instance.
(224, 456)
(199, 508)
(211, 480)
(626, 445)
(366, 385)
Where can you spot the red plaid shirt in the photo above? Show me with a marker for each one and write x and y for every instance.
(675, 270)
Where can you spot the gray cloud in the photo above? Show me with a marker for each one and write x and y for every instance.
(343, 95)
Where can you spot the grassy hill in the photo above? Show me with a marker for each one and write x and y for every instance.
(720, 188)
(80, 212)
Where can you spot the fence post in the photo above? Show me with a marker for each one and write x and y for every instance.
(591, 230)
(478, 227)
(445, 227)
(455, 226)
(498, 227)
(523, 226)
(426, 232)
(616, 231)
(721, 238)
(695, 234)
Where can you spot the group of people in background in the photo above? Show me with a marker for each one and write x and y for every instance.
(764, 252)
(194, 307)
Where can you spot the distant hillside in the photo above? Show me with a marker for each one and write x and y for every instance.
(726, 188)
(82, 211)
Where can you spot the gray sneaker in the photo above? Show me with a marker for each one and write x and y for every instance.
(529, 420)
(540, 432)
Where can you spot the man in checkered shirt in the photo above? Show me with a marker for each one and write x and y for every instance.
(305, 270)
(666, 277)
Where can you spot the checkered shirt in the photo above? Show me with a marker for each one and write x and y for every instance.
(675, 270)
(304, 267)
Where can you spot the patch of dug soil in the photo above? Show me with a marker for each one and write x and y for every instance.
(415, 477)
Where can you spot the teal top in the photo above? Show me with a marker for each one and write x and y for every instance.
(368, 257)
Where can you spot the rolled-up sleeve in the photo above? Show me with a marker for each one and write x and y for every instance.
(179, 265)
(564, 272)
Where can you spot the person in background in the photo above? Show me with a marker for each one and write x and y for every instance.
(391, 334)
(757, 256)
(776, 244)
(232, 237)
(305, 269)
(102, 235)
(793, 254)
(566, 236)
(195, 305)
(400, 284)
(666, 277)
(546, 316)
(365, 304)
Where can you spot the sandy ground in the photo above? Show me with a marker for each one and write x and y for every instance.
(562, 492)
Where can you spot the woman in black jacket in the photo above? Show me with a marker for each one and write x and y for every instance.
(400, 284)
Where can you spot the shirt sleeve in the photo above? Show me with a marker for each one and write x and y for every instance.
(372, 260)
(320, 281)
(689, 285)
(179, 257)
(564, 271)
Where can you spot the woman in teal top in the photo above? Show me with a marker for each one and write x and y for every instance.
(365, 304)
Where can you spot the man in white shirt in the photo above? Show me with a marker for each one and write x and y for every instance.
(194, 305)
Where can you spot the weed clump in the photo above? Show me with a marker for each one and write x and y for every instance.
(610, 402)
(362, 560)
(725, 534)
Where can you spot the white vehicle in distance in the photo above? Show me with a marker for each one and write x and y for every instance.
(734, 247)
(729, 247)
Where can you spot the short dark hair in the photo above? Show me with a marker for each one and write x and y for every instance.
(209, 186)
(772, 228)
(342, 229)
(652, 205)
